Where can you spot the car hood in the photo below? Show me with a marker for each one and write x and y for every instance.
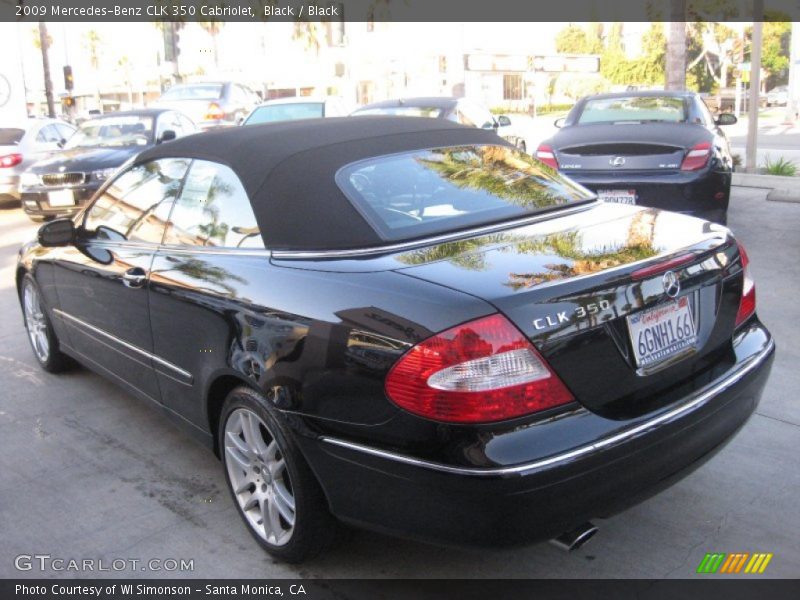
(87, 159)
(667, 134)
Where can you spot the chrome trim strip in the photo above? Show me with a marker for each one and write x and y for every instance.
(440, 239)
(700, 398)
(157, 359)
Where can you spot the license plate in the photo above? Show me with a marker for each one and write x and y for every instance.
(618, 196)
(61, 198)
(661, 331)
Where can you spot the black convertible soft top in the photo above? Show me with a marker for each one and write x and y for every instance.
(288, 170)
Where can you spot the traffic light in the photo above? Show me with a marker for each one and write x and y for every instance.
(69, 82)
(69, 101)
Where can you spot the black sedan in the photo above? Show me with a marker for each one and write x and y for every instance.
(406, 325)
(657, 149)
(62, 184)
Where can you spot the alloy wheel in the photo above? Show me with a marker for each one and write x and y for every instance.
(36, 323)
(259, 478)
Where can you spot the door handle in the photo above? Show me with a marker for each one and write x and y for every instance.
(134, 277)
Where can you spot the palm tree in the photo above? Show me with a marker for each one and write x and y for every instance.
(213, 28)
(92, 42)
(43, 42)
(676, 47)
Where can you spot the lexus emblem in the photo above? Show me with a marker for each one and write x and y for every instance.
(617, 161)
(671, 283)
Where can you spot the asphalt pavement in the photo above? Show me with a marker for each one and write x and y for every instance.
(88, 472)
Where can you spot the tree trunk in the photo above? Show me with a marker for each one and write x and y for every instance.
(48, 83)
(675, 68)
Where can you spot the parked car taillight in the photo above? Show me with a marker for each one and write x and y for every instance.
(545, 154)
(478, 372)
(10, 160)
(697, 157)
(747, 304)
(214, 112)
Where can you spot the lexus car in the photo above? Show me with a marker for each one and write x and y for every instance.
(211, 104)
(406, 325)
(62, 183)
(651, 148)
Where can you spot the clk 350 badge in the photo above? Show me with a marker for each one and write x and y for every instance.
(581, 312)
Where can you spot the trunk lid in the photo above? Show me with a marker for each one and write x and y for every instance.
(620, 147)
(571, 285)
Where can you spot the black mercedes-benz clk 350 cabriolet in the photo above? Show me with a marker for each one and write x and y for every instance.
(406, 325)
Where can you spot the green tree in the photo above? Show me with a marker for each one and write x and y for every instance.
(775, 50)
(572, 40)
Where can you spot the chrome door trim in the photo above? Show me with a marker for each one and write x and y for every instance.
(184, 375)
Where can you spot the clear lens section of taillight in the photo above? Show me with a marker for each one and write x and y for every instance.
(545, 154)
(697, 157)
(747, 304)
(479, 372)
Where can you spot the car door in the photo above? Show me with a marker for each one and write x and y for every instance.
(200, 281)
(102, 280)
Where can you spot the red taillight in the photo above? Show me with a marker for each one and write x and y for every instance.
(214, 112)
(10, 160)
(478, 372)
(545, 154)
(747, 304)
(697, 157)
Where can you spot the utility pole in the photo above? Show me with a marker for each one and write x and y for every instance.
(793, 102)
(48, 83)
(755, 87)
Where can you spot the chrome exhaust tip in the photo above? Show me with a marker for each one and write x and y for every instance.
(572, 540)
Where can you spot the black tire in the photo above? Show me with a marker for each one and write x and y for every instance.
(314, 527)
(55, 361)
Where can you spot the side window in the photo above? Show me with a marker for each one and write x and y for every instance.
(135, 207)
(65, 131)
(186, 125)
(48, 134)
(213, 210)
(168, 120)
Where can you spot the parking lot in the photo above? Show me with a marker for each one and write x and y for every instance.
(88, 472)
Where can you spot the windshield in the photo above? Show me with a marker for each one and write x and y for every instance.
(113, 131)
(272, 113)
(636, 109)
(10, 136)
(402, 111)
(424, 192)
(206, 91)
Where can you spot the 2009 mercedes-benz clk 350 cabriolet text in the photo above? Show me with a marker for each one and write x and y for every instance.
(404, 324)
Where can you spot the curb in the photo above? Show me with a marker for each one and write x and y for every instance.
(779, 195)
(766, 181)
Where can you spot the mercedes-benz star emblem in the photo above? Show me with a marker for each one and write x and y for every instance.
(671, 283)
(617, 161)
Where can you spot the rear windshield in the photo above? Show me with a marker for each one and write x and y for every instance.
(210, 91)
(408, 195)
(402, 111)
(10, 136)
(285, 112)
(633, 109)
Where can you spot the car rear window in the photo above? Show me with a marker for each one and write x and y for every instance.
(633, 109)
(285, 112)
(423, 192)
(402, 111)
(10, 136)
(210, 91)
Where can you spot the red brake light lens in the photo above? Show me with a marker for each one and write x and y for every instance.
(545, 154)
(10, 160)
(747, 304)
(214, 112)
(479, 372)
(697, 157)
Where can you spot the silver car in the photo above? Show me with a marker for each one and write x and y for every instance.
(23, 144)
(295, 108)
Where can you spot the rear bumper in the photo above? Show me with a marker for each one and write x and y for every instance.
(9, 186)
(542, 497)
(704, 194)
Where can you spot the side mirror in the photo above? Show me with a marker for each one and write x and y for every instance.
(504, 121)
(240, 121)
(60, 232)
(167, 136)
(62, 142)
(726, 119)
(559, 122)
